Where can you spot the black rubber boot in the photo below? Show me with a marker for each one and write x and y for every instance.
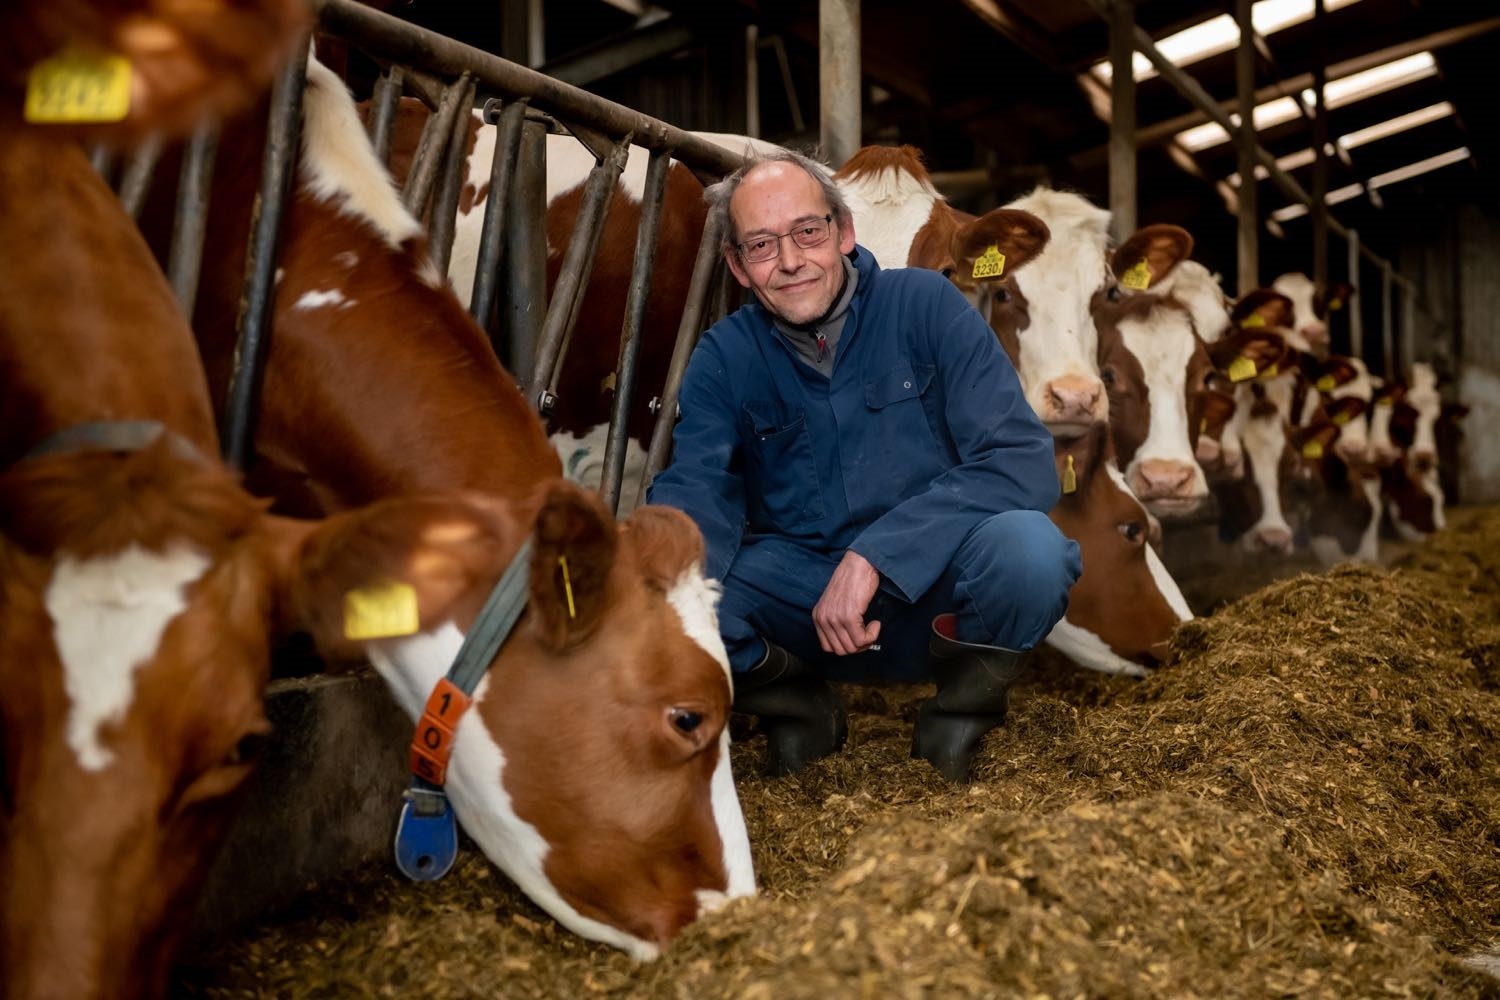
(972, 681)
(804, 720)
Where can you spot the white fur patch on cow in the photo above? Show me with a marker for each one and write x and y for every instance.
(339, 165)
(739, 867)
(346, 258)
(695, 598)
(1088, 650)
(412, 666)
(1059, 284)
(1191, 284)
(583, 463)
(1264, 439)
(889, 208)
(109, 615)
(1300, 289)
(1163, 343)
(1165, 585)
(319, 300)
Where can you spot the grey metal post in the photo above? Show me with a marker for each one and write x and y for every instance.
(138, 172)
(1320, 156)
(1122, 153)
(525, 263)
(630, 331)
(1356, 321)
(1248, 243)
(191, 219)
(1408, 332)
(451, 180)
(752, 81)
(432, 146)
(277, 167)
(387, 98)
(1387, 327)
(687, 339)
(573, 275)
(492, 234)
(839, 93)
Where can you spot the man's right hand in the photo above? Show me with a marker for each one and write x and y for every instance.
(839, 615)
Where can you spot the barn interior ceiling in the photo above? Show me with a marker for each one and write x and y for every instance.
(1013, 92)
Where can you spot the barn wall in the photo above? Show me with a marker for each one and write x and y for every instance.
(1455, 257)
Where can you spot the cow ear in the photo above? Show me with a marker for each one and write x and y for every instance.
(1161, 247)
(1018, 236)
(574, 546)
(1261, 308)
(391, 569)
(1337, 297)
(1263, 347)
(666, 542)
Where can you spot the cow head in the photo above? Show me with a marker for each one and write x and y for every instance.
(593, 767)
(969, 260)
(1049, 314)
(1310, 309)
(1123, 608)
(139, 596)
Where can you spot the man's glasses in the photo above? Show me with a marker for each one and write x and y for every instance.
(807, 235)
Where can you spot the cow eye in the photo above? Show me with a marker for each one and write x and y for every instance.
(684, 720)
(1114, 293)
(1133, 532)
(1108, 377)
(1002, 295)
(247, 750)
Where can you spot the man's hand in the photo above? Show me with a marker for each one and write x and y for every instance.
(839, 615)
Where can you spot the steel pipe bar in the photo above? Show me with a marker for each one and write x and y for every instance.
(277, 166)
(1356, 319)
(840, 93)
(630, 331)
(386, 99)
(190, 222)
(525, 305)
(431, 148)
(1319, 206)
(492, 236)
(573, 276)
(139, 169)
(1248, 227)
(1387, 325)
(687, 338)
(398, 41)
(1122, 152)
(451, 180)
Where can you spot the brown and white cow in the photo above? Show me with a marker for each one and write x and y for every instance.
(1158, 374)
(140, 592)
(594, 768)
(1310, 308)
(1404, 442)
(1122, 610)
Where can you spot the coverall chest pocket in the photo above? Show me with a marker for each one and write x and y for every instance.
(784, 490)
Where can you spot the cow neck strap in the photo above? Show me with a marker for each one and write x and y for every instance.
(427, 835)
(112, 435)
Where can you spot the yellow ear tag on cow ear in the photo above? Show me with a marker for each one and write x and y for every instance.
(1386, 401)
(1312, 449)
(1253, 322)
(1241, 368)
(991, 263)
(1070, 478)
(1342, 417)
(1271, 372)
(1202, 425)
(78, 86)
(1335, 305)
(381, 610)
(1138, 278)
(1327, 383)
(567, 586)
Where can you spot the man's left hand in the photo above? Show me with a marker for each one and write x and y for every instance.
(839, 615)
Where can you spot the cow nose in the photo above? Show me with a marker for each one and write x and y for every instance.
(1073, 397)
(1423, 461)
(1208, 450)
(1274, 539)
(1316, 333)
(1163, 478)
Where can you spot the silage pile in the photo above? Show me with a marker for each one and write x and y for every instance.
(1305, 803)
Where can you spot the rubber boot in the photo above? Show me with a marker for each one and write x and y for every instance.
(803, 719)
(972, 681)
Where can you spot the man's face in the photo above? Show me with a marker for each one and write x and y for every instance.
(797, 284)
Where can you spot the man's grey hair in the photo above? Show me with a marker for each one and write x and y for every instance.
(718, 195)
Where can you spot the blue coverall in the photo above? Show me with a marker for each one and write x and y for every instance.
(920, 453)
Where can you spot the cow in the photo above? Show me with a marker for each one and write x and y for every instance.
(1311, 306)
(1157, 373)
(594, 769)
(141, 589)
(1403, 441)
(1122, 610)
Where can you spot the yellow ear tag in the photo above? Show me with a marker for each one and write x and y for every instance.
(1202, 424)
(1138, 278)
(1312, 449)
(1070, 478)
(991, 263)
(78, 86)
(567, 586)
(1271, 372)
(1386, 401)
(1335, 305)
(1253, 322)
(1342, 417)
(1241, 368)
(381, 610)
(1327, 383)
